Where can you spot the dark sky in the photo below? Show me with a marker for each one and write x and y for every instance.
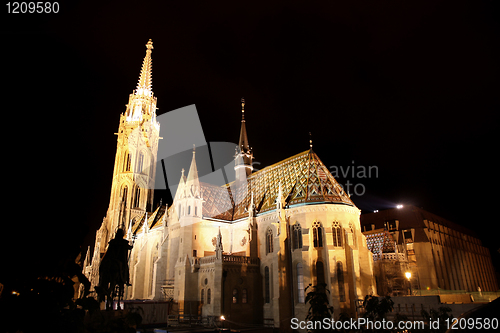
(408, 87)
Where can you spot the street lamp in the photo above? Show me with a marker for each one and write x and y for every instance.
(222, 318)
(408, 276)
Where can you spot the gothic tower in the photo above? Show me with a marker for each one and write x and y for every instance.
(244, 154)
(135, 161)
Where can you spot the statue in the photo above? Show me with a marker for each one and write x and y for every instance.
(113, 270)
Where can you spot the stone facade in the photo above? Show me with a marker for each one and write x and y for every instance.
(245, 250)
(437, 253)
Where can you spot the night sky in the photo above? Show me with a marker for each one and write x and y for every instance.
(408, 87)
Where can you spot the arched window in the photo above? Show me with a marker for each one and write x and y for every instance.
(269, 241)
(320, 272)
(340, 279)
(317, 234)
(353, 231)
(202, 296)
(189, 210)
(235, 296)
(244, 296)
(124, 195)
(137, 196)
(140, 162)
(126, 162)
(300, 283)
(297, 236)
(267, 292)
(337, 234)
(209, 296)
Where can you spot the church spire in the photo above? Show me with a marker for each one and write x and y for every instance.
(145, 84)
(193, 183)
(244, 154)
(243, 143)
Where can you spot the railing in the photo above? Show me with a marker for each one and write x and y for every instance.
(207, 260)
(389, 256)
(240, 260)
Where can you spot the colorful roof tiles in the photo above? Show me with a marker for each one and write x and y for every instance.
(303, 178)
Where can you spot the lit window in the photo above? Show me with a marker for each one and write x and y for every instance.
(337, 234)
(317, 234)
(297, 236)
(269, 241)
(235, 296)
(300, 283)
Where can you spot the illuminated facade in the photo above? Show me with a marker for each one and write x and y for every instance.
(437, 253)
(245, 250)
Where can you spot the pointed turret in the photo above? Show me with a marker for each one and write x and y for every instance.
(244, 154)
(192, 182)
(145, 84)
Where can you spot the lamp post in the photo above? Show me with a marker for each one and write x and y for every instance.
(222, 318)
(408, 276)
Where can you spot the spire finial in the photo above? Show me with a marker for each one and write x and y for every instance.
(310, 140)
(144, 86)
(194, 148)
(242, 109)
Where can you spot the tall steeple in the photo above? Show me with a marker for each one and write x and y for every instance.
(244, 154)
(136, 154)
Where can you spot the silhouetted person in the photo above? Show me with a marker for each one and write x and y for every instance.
(117, 257)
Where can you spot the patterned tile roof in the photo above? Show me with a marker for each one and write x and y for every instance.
(153, 219)
(303, 178)
(380, 241)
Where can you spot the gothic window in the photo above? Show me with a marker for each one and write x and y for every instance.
(189, 210)
(320, 272)
(137, 196)
(209, 296)
(235, 296)
(124, 195)
(300, 283)
(267, 292)
(140, 162)
(317, 234)
(202, 296)
(269, 241)
(126, 162)
(337, 234)
(340, 279)
(297, 236)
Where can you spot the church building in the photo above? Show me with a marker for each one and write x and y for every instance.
(246, 250)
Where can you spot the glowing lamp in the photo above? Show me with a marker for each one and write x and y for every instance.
(399, 206)
(408, 275)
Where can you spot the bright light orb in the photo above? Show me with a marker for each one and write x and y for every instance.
(408, 275)
(222, 318)
(399, 206)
